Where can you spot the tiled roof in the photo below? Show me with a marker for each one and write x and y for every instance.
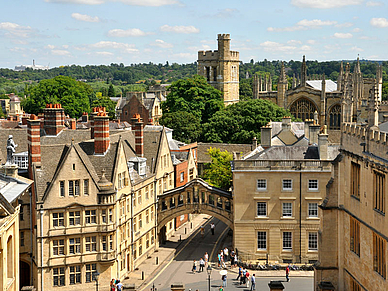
(203, 157)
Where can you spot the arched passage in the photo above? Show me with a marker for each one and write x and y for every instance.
(303, 109)
(24, 274)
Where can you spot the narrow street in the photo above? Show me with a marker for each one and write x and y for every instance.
(179, 269)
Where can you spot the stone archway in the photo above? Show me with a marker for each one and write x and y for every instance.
(24, 274)
(303, 108)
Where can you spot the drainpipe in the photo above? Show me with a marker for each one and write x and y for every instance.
(132, 233)
(117, 241)
(31, 236)
(41, 246)
(300, 213)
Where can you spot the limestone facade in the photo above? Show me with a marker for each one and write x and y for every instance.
(221, 69)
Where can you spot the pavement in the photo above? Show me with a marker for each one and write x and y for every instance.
(155, 263)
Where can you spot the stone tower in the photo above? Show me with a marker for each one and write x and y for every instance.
(282, 87)
(221, 69)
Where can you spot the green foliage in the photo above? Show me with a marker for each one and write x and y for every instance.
(72, 94)
(105, 102)
(219, 172)
(245, 90)
(111, 91)
(240, 122)
(193, 95)
(186, 125)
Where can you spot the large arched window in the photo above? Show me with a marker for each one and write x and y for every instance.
(335, 117)
(303, 109)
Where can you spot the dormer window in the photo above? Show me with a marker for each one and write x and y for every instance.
(138, 164)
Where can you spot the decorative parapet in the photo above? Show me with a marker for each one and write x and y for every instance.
(284, 165)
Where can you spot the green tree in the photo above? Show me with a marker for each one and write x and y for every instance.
(111, 91)
(193, 95)
(106, 102)
(186, 125)
(219, 172)
(71, 94)
(240, 122)
(245, 91)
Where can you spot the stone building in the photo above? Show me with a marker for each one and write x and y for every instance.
(353, 252)
(277, 189)
(95, 191)
(221, 69)
(305, 97)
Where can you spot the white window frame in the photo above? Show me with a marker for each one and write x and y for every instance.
(286, 181)
(310, 181)
(310, 209)
(286, 240)
(258, 238)
(285, 211)
(261, 181)
(313, 239)
(257, 209)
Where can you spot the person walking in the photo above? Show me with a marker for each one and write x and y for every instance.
(232, 258)
(202, 231)
(201, 265)
(242, 279)
(219, 260)
(206, 257)
(194, 269)
(253, 282)
(112, 285)
(226, 254)
(212, 227)
(119, 285)
(224, 282)
(247, 278)
(239, 273)
(288, 273)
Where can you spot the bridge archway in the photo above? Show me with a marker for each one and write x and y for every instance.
(195, 197)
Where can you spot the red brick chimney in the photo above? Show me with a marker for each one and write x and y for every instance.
(92, 116)
(137, 127)
(73, 123)
(33, 138)
(54, 117)
(101, 131)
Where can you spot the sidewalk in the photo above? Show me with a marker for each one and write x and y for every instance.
(164, 254)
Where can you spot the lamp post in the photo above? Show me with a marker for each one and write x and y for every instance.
(95, 276)
(209, 272)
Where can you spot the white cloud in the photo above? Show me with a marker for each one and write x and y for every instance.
(50, 46)
(15, 30)
(311, 41)
(162, 44)
(129, 48)
(226, 13)
(346, 24)
(126, 33)
(343, 35)
(179, 29)
(129, 2)
(379, 22)
(60, 52)
(304, 25)
(294, 42)
(357, 29)
(324, 4)
(275, 46)
(187, 56)
(305, 48)
(102, 53)
(374, 3)
(84, 17)
(356, 49)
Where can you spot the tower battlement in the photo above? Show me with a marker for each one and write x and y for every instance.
(224, 36)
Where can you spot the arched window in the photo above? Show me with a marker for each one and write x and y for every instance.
(10, 258)
(303, 109)
(335, 117)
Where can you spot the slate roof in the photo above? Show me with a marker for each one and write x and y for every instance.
(12, 188)
(203, 157)
(330, 85)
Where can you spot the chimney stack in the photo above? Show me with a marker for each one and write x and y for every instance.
(85, 117)
(254, 143)
(314, 131)
(307, 124)
(92, 116)
(73, 123)
(54, 117)
(323, 143)
(33, 138)
(101, 131)
(266, 135)
(286, 123)
(137, 127)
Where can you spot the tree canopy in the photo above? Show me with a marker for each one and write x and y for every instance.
(186, 125)
(219, 172)
(72, 94)
(240, 122)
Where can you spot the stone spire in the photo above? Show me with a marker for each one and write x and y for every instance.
(269, 87)
(282, 77)
(340, 78)
(373, 107)
(357, 68)
(303, 73)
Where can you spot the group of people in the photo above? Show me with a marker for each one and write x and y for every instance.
(224, 256)
(202, 263)
(246, 278)
(116, 285)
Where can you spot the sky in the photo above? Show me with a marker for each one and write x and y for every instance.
(94, 32)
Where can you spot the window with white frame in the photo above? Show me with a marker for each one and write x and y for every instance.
(73, 188)
(75, 245)
(287, 240)
(75, 274)
(74, 218)
(261, 184)
(287, 184)
(262, 240)
(59, 276)
(313, 209)
(59, 247)
(91, 244)
(313, 184)
(261, 208)
(91, 269)
(287, 209)
(58, 219)
(313, 241)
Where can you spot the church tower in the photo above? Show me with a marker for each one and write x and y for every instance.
(221, 69)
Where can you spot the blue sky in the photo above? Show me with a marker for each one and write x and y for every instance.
(66, 32)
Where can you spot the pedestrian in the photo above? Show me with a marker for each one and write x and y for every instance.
(223, 262)
(244, 274)
(212, 227)
(206, 256)
(221, 289)
(119, 285)
(239, 273)
(201, 265)
(247, 278)
(253, 282)
(112, 285)
(219, 260)
(232, 253)
(202, 231)
(194, 266)
(288, 273)
(226, 254)
(223, 278)
(235, 260)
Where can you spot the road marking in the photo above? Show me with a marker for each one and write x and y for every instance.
(165, 267)
(215, 245)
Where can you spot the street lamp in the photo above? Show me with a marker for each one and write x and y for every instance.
(209, 272)
(95, 277)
